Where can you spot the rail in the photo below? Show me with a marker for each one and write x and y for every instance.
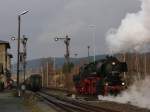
(69, 105)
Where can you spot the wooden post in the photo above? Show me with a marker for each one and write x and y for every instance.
(47, 75)
(145, 64)
(137, 66)
(42, 77)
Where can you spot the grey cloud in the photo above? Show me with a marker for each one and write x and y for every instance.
(47, 18)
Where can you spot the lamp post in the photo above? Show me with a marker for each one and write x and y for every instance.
(18, 49)
(93, 28)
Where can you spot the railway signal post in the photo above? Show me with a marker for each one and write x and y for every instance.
(67, 43)
(67, 55)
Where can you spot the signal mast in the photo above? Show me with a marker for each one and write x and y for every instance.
(67, 43)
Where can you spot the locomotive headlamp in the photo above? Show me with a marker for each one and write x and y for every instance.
(106, 84)
(113, 63)
(123, 83)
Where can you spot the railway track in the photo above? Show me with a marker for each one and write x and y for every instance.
(69, 105)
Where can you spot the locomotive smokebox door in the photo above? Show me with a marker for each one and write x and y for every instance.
(124, 67)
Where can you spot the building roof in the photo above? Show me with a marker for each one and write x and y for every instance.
(5, 42)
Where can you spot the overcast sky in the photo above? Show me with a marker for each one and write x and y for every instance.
(50, 18)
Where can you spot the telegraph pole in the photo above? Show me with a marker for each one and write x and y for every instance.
(145, 64)
(88, 53)
(18, 54)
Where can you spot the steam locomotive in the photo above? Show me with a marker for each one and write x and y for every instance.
(102, 77)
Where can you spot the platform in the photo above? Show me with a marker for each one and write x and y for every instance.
(9, 103)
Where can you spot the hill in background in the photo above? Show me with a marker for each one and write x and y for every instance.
(59, 61)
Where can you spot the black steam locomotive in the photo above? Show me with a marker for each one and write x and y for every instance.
(101, 77)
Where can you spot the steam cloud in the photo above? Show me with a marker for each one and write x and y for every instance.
(132, 35)
(134, 32)
(137, 94)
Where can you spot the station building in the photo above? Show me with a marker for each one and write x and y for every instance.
(5, 60)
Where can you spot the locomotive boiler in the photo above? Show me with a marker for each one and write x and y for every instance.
(102, 77)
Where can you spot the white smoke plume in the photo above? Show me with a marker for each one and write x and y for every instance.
(133, 35)
(138, 94)
(134, 32)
